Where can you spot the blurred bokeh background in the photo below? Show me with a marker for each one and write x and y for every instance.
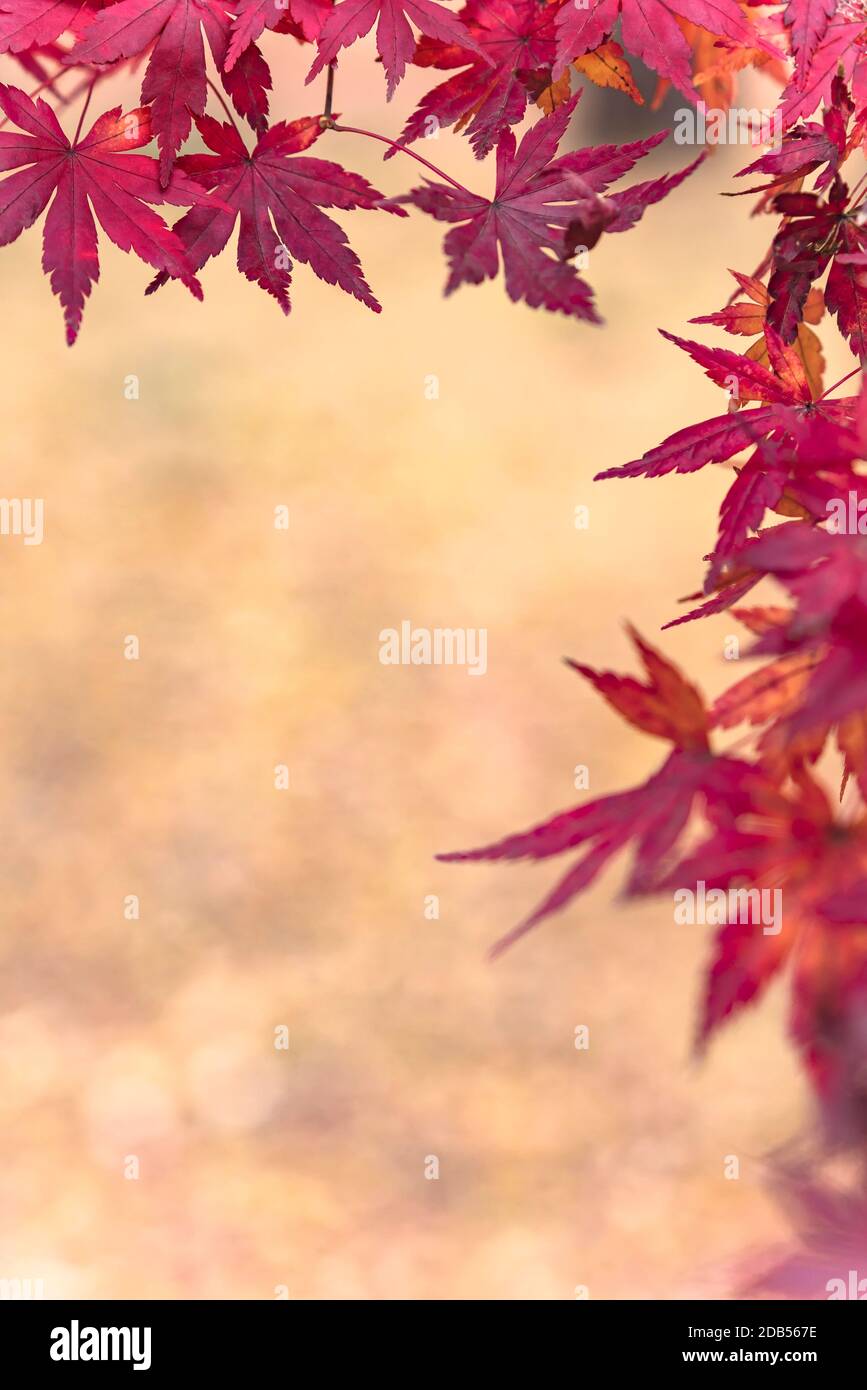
(303, 1169)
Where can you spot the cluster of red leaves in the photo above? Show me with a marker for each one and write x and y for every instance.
(502, 57)
(200, 60)
(759, 814)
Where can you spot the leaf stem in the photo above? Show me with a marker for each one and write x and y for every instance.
(76, 91)
(396, 145)
(93, 83)
(222, 100)
(329, 92)
(856, 189)
(839, 383)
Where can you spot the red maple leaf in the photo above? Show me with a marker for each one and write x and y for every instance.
(790, 414)
(651, 31)
(818, 678)
(748, 318)
(840, 49)
(797, 439)
(175, 82)
(303, 18)
(31, 23)
(276, 194)
(95, 172)
(818, 233)
(789, 843)
(542, 209)
(808, 145)
(653, 815)
(808, 21)
(804, 450)
(514, 38)
(352, 19)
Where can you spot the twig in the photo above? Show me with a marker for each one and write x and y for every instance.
(396, 145)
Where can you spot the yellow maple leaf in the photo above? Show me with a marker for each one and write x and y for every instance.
(608, 67)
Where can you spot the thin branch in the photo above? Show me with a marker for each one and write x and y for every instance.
(396, 145)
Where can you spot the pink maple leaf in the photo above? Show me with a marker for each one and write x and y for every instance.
(352, 19)
(175, 82)
(651, 32)
(277, 195)
(542, 209)
(98, 173)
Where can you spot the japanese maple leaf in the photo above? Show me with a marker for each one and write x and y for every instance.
(650, 31)
(717, 62)
(352, 19)
(653, 815)
(840, 48)
(802, 462)
(175, 83)
(826, 575)
(275, 194)
(93, 175)
(772, 695)
(818, 233)
(773, 691)
(784, 380)
(513, 39)
(304, 18)
(819, 427)
(817, 679)
(808, 21)
(608, 66)
(542, 209)
(747, 318)
(803, 449)
(808, 145)
(28, 24)
(790, 843)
